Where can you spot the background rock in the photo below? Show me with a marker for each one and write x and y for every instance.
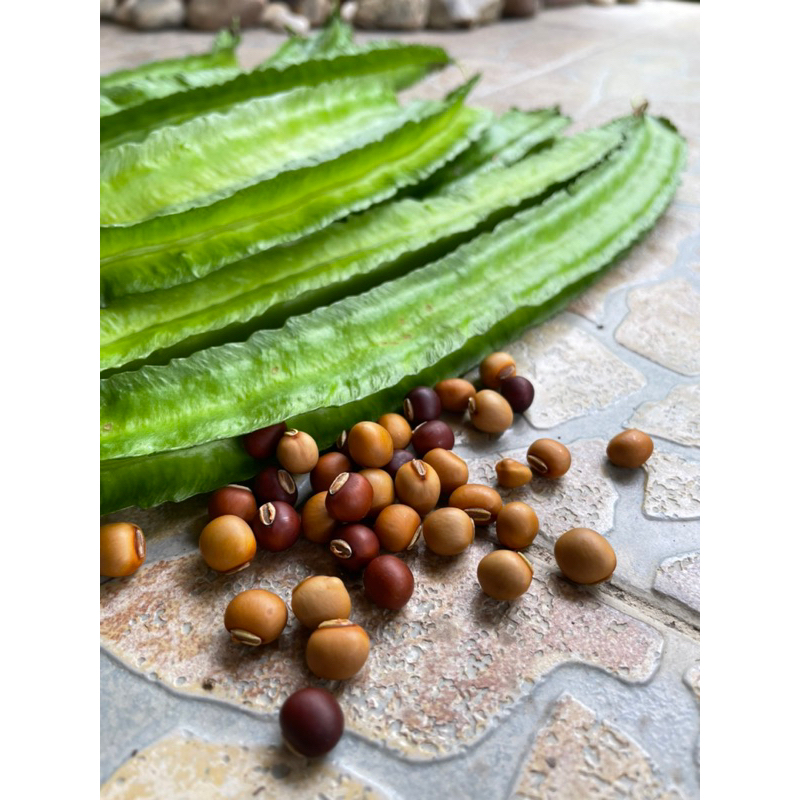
(521, 8)
(155, 14)
(315, 11)
(463, 13)
(403, 15)
(211, 15)
(279, 17)
(107, 8)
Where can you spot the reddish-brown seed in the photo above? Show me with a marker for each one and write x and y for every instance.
(399, 457)
(311, 722)
(276, 526)
(233, 499)
(273, 483)
(328, 467)
(354, 546)
(261, 444)
(349, 498)
(432, 434)
(421, 404)
(388, 582)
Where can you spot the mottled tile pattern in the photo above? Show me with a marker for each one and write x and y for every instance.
(183, 767)
(675, 418)
(679, 578)
(577, 756)
(673, 487)
(574, 373)
(664, 325)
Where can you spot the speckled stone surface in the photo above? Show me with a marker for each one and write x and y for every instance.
(567, 693)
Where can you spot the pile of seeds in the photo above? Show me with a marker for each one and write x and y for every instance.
(372, 493)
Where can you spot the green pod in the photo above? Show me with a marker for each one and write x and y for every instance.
(381, 244)
(176, 248)
(430, 323)
(397, 64)
(215, 155)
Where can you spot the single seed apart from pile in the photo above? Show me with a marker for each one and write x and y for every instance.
(505, 574)
(318, 525)
(328, 467)
(584, 556)
(451, 469)
(549, 458)
(432, 434)
(399, 457)
(517, 525)
(349, 498)
(388, 582)
(275, 484)
(276, 526)
(255, 617)
(337, 650)
(495, 367)
(454, 394)
(398, 527)
(262, 443)
(122, 549)
(448, 531)
(233, 499)
(311, 722)
(227, 544)
(398, 428)
(481, 503)
(422, 404)
(382, 490)
(297, 452)
(370, 445)
(511, 474)
(518, 391)
(630, 449)
(354, 546)
(318, 598)
(418, 486)
(490, 412)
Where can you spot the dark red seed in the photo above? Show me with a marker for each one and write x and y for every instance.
(518, 391)
(399, 458)
(349, 497)
(328, 467)
(432, 434)
(422, 404)
(274, 483)
(388, 582)
(354, 546)
(312, 722)
(276, 526)
(262, 443)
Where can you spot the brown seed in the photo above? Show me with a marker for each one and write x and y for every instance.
(354, 546)
(337, 650)
(275, 484)
(382, 490)
(328, 467)
(490, 412)
(319, 598)
(517, 525)
(448, 531)
(255, 617)
(297, 452)
(398, 527)
(398, 428)
(388, 582)
(511, 474)
(454, 394)
(318, 525)
(227, 544)
(311, 722)
(276, 526)
(482, 503)
(233, 499)
(495, 367)
(549, 458)
(261, 444)
(451, 469)
(630, 449)
(505, 574)
(370, 444)
(432, 434)
(418, 486)
(584, 556)
(350, 497)
(421, 404)
(122, 549)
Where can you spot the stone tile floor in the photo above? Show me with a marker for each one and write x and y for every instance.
(567, 693)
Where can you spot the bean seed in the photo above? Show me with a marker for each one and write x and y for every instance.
(630, 449)
(388, 582)
(349, 497)
(451, 469)
(422, 404)
(518, 391)
(318, 525)
(432, 434)
(370, 444)
(418, 486)
(481, 503)
(261, 444)
(397, 527)
(276, 526)
(233, 499)
(255, 617)
(382, 490)
(227, 544)
(495, 367)
(505, 574)
(337, 650)
(490, 412)
(448, 531)
(275, 484)
(311, 722)
(122, 549)
(549, 458)
(454, 394)
(584, 556)
(511, 474)
(297, 452)
(398, 428)
(328, 467)
(517, 525)
(399, 457)
(320, 598)
(354, 546)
